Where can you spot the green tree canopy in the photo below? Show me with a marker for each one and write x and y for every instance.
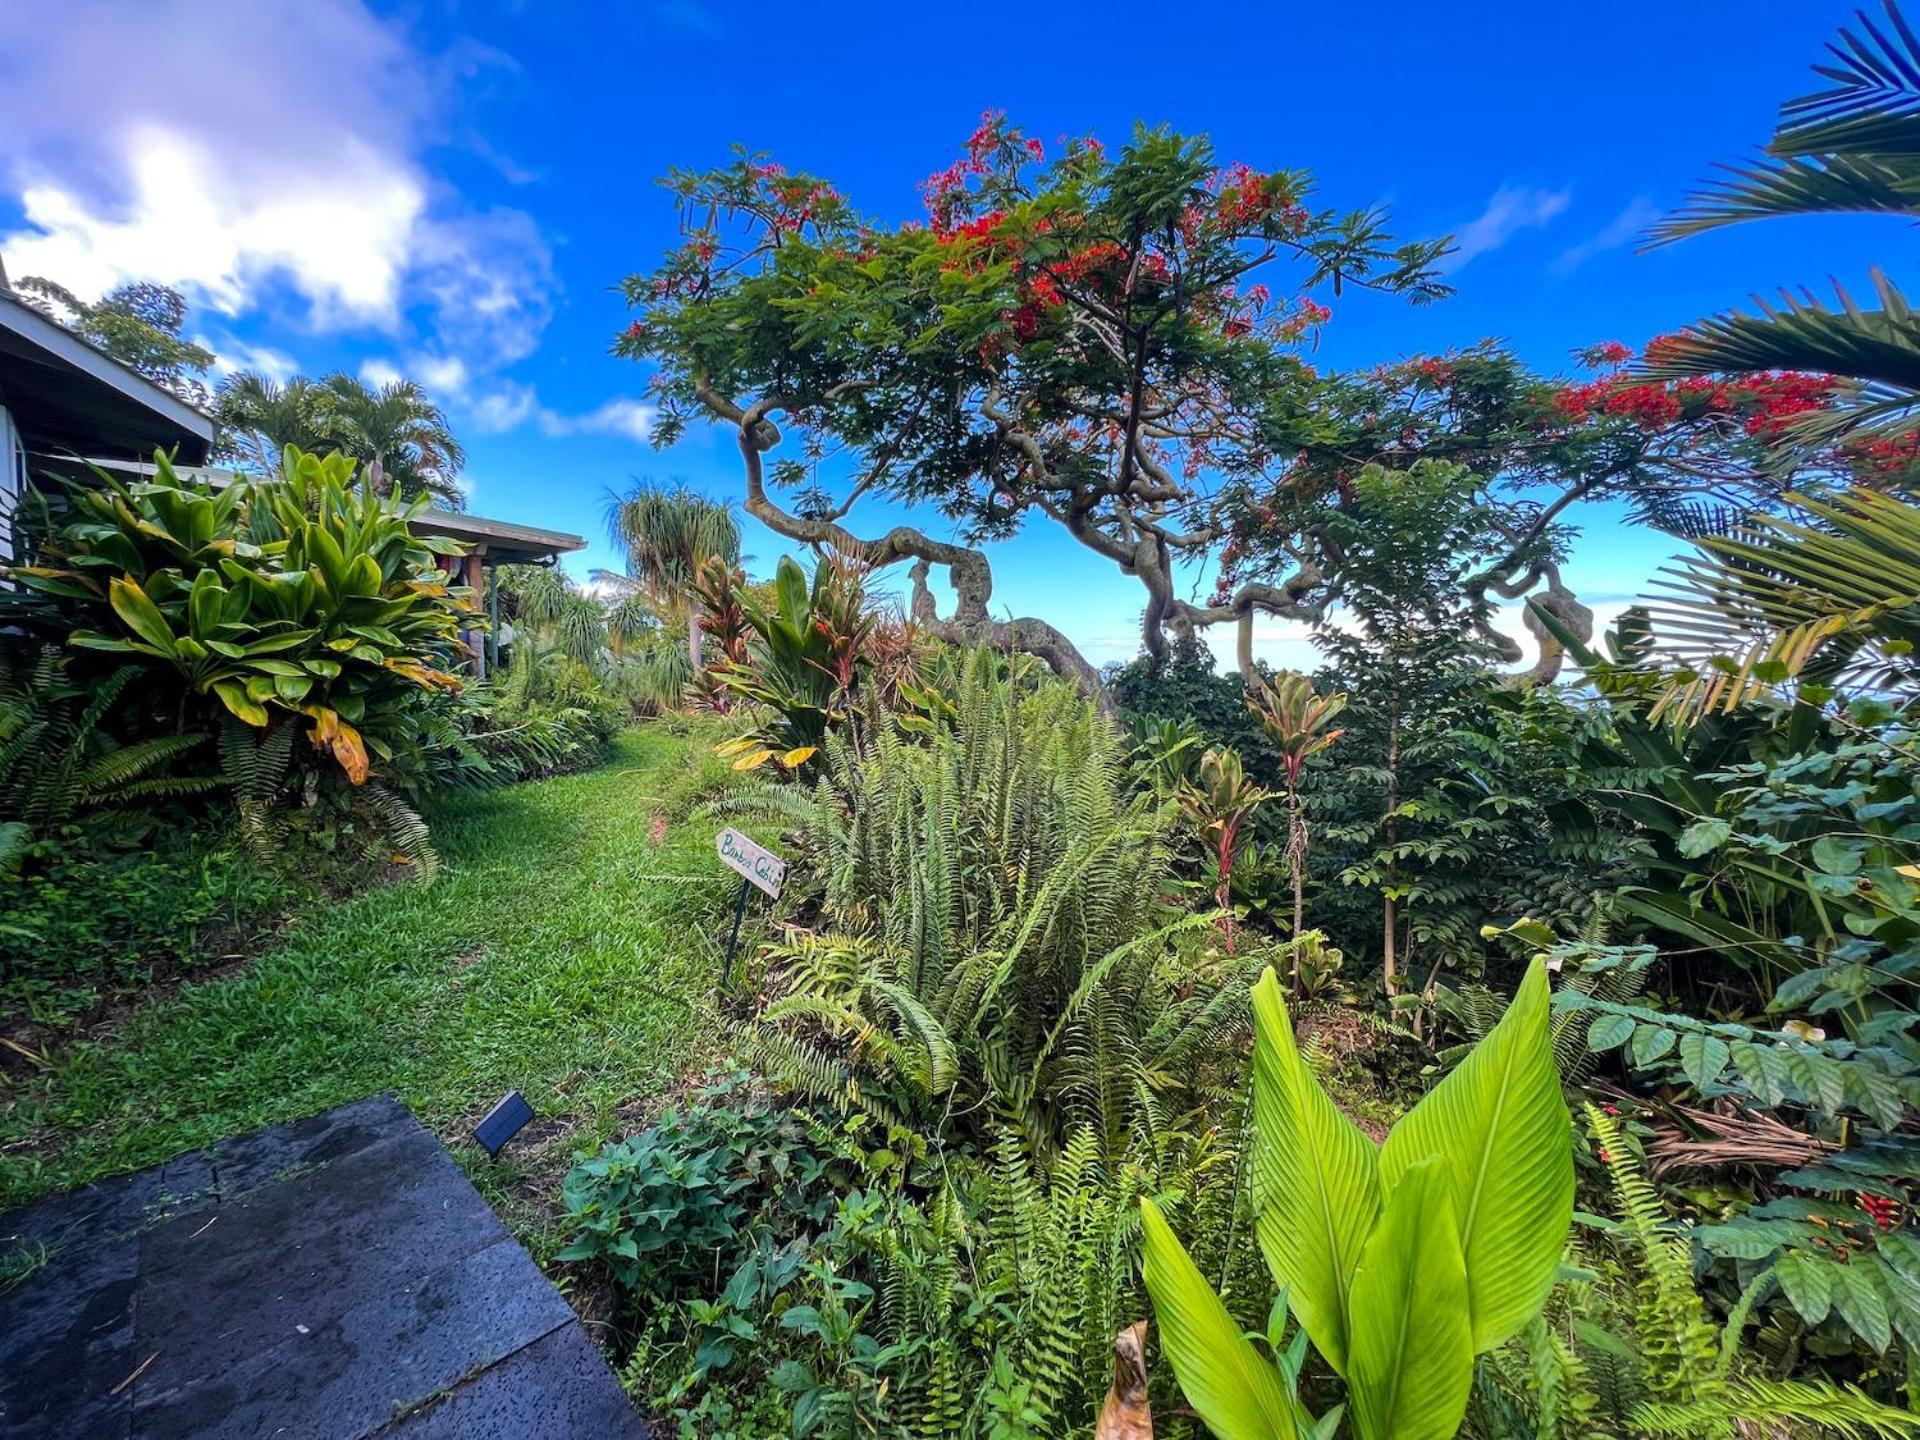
(396, 430)
(137, 323)
(1095, 340)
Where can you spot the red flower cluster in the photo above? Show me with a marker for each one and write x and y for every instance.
(1881, 1209)
(1764, 404)
(1896, 456)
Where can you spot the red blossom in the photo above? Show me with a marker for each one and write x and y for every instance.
(1883, 1210)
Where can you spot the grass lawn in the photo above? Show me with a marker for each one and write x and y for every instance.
(550, 957)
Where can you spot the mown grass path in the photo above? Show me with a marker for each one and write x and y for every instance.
(549, 957)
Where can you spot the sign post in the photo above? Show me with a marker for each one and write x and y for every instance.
(757, 867)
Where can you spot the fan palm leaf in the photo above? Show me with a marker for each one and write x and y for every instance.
(1851, 147)
(1800, 185)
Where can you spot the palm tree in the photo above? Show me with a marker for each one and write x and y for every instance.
(1851, 148)
(259, 418)
(394, 427)
(670, 533)
(398, 428)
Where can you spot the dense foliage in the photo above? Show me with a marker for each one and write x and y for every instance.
(1196, 1052)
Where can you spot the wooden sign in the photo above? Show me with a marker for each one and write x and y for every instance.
(759, 866)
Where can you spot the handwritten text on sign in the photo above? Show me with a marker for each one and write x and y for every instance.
(761, 867)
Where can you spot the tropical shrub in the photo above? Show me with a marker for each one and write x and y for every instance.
(98, 905)
(1401, 1262)
(60, 757)
(806, 654)
(1628, 1345)
(872, 1284)
(302, 600)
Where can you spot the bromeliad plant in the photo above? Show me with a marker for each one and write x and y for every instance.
(1402, 1261)
(305, 598)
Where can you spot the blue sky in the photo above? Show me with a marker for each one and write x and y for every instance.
(450, 191)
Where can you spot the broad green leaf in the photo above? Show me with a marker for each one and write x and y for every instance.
(1703, 836)
(1231, 1386)
(1838, 855)
(1821, 1080)
(1609, 1032)
(1410, 1365)
(1703, 1057)
(1650, 1043)
(139, 613)
(1862, 1304)
(1500, 1118)
(1315, 1176)
(1807, 1284)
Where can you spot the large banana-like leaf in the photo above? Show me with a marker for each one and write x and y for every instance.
(1231, 1386)
(1500, 1121)
(1410, 1366)
(1316, 1180)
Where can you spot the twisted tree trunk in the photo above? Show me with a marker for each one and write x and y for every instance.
(967, 568)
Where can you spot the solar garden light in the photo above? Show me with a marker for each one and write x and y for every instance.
(503, 1122)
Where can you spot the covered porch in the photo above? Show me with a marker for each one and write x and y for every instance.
(491, 544)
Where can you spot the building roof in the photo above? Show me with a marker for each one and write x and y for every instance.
(68, 398)
(499, 541)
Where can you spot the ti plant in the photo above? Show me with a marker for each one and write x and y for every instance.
(1220, 799)
(1402, 1262)
(1299, 722)
(805, 658)
(304, 597)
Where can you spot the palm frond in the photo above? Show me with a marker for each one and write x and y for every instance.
(1872, 106)
(1809, 185)
(1756, 610)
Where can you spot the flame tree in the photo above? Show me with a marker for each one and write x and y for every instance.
(1114, 344)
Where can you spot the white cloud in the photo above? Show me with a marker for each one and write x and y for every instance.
(505, 407)
(443, 375)
(380, 372)
(1623, 229)
(274, 151)
(632, 418)
(230, 356)
(1512, 209)
(511, 404)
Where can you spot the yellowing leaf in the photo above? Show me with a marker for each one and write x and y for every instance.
(235, 698)
(753, 761)
(140, 614)
(799, 755)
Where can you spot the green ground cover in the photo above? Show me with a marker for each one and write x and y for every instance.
(551, 957)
